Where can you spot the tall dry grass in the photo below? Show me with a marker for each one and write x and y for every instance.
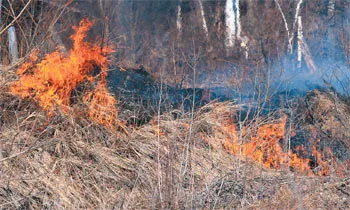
(68, 162)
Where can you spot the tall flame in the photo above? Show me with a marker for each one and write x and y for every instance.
(264, 147)
(52, 81)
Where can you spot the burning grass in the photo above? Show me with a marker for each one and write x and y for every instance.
(51, 81)
(264, 146)
(58, 154)
(70, 163)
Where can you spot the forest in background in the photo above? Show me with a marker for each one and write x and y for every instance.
(169, 38)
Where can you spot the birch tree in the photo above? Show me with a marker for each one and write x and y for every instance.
(238, 20)
(331, 8)
(302, 47)
(204, 22)
(233, 23)
(13, 47)
(230, 21)
(179, 19)
(285, 25)
(297, 13)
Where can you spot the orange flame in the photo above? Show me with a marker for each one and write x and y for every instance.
(102, 107)
(264, 147)
(52, 81)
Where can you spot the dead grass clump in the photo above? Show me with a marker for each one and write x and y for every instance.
(324, 116)
(69, 162)
(64, 161)
(307, 193)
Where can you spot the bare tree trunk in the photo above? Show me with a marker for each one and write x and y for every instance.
(104, 13)
(204, 22)
(300, 40)
(290, 48)
(13, 47)
(179, 18)
(230, 19)
(303, 48)
(308, 58)
(297, 12)
(218, 18)
(331, 8)
(238, 20)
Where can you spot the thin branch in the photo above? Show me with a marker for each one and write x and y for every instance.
(16, 18)
(285, 25)
(297, 11)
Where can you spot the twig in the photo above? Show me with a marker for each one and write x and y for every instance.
(16, 18)
(217, 197)
(343, 191)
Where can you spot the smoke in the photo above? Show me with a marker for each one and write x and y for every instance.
(329, 55)
(302, 41)
(330, 74)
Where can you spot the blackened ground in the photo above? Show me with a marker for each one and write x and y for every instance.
(321, 115)
(142, 96)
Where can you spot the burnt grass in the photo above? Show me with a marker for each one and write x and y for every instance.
(139, 95)
(174, 160)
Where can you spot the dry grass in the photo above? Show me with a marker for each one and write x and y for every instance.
(68, 162)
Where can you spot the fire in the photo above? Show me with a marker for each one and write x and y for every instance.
(102, 107)
(52, 81)
(264, 147)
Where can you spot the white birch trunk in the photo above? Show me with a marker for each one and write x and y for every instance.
(179, 19)
(238, 20)
(290, 48)
(297, 11)
(230, 21)
(300, 40)
(308, 58)
(331, 8)
(13, 47)
(204, 22)
(303, 48)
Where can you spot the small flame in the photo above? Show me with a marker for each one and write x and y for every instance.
(264, 147)
(102, 106)
(52, 81)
